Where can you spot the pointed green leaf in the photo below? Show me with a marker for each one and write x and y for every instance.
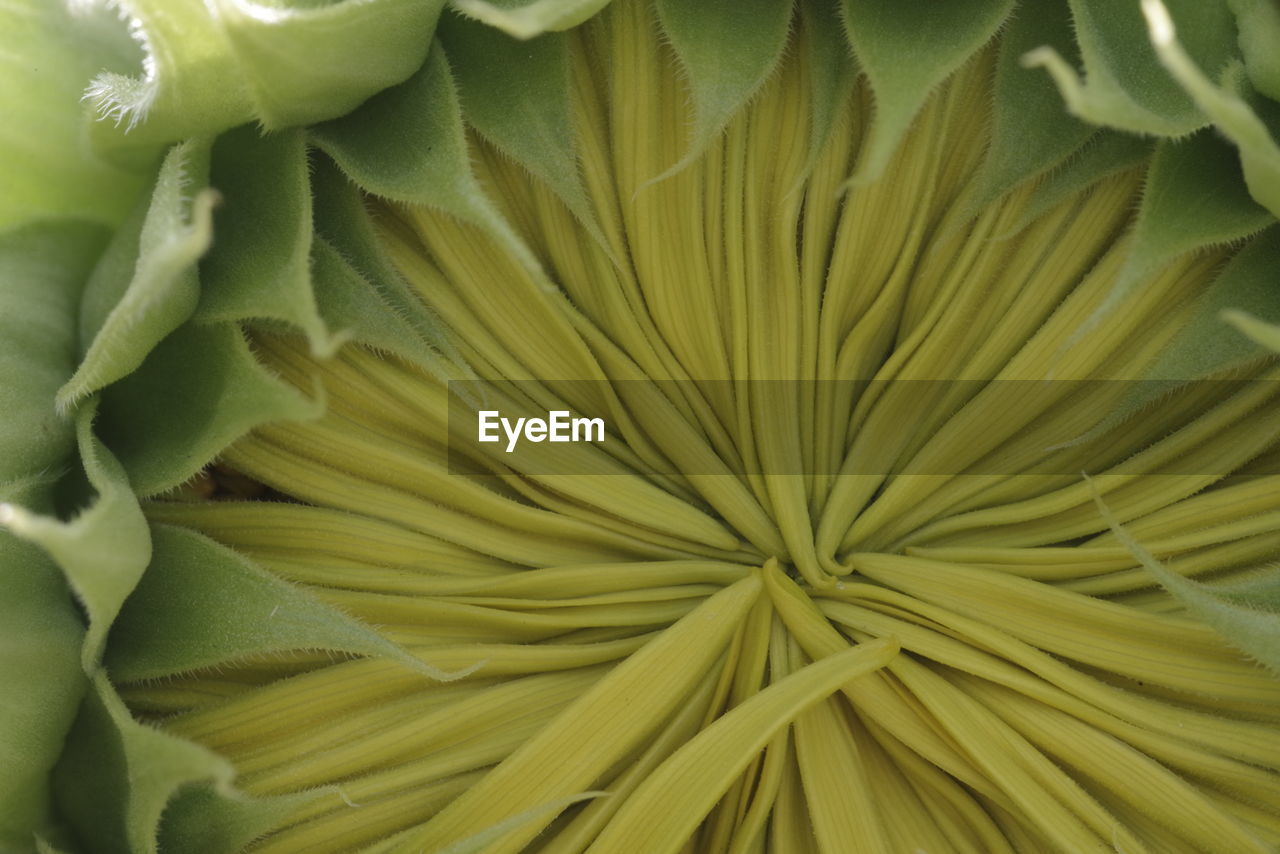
(347, 300)
(42, 268)
(1123, 84)
(1258, 25)
(831, 67)
(206, 818)
(1266, 334)
(727, 49)
(188, 83)
(1259, 153)
(40, 640)
(1205, 345)
(117, 776)
(307, 61)
(1249, 619)
(1260, 591)
(907, 49)
(352, 290)
(213, 392)
(524, 19)
(200, 605)
(1107, 153)
(1193, 197)
(42, 271)
(210, 66)
(408, 144)
(259, 269)
(48, 171)
(104, 549)
(145, 286)
(516, 94)
(1031, 131)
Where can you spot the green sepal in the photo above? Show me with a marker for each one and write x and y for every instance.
(118, 779)
(1107, 153)
(197, 392)
(145, 285)
(1230, 112)
(1260, 590)
(210, 66)
(727, 49)
(525, 19)
(48, 170)
(180, 92)
(1205, 345)
(347, 299)
(1246, 615)
(200, 605)
(1124, 85)
(104, 549)
(42, 271)
(42, 268)
(259, 269)
(207, 818)
(1030, 129)
(832, 71)
(906, 49)
(516, 95)
(41, 637)
(1258, 25)
(307, 61)
(1259, 331)
(343, 226)
(408, 144)
(1193, 198)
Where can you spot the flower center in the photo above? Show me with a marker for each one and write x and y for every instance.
(841, 419)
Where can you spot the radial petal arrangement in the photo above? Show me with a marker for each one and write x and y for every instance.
(741, 427)
(836, 584)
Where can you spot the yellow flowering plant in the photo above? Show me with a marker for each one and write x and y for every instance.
(938, 509)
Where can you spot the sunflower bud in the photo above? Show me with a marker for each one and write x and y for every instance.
(656, 427)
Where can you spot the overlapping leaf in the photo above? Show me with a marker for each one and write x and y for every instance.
(48, 171)
(208, 67)
(202, 605)
(516, 94)
(1124, 85)
(524, 19)
(1030, 131)
(1247, 614)
(728, 48)
(369, 145)
(214, 391)
(145, 285)
(126, 786)
(104, 548)
(908, 48)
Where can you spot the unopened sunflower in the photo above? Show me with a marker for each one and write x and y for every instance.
(640, 427)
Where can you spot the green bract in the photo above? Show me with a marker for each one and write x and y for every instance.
(181, 175)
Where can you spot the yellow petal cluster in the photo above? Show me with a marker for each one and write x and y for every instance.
(760, 627)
